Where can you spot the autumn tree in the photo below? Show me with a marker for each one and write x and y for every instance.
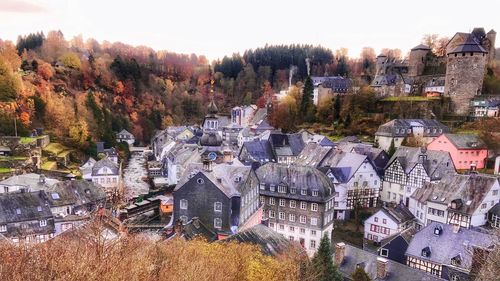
(10, 83)
(322, 262)
(360, 275)
(54, 46)
(78, 132)
(71, 60)
(45, 70)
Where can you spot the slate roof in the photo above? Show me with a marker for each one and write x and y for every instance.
(387, 79)
(337, 83)
(105, 162)
(260, 115)
(495, 209)
(470, 45)
(437, 163)
(466, 141)
(470, 189)
(286, 144)
(301, 177)
(259, 151)
(377, 156)
(30, 180)
(5, 149)
(421, 47)
(23, 206)
(399, 213)
(125, 132)
(195, 228)
(183, 154)
(75, 192)
(393, 127)
(347, 162)
(312, 154)
(406, 234)
(227, 174)
(354, 257)
(448, 244)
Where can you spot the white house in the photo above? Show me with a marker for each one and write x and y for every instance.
(125, 136)
(86, 169)
(388, 221)
(242, 115)
(106, 173)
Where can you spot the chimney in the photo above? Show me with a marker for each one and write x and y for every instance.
(228, 156)
(339, 253)
(381, 268)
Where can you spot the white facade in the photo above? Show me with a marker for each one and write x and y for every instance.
(243, 115)
(106, 178)
(380, 226)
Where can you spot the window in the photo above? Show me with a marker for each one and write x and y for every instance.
(272, 201)
(303, 192)
(291, 217)
(271, 214)
(184, 204)
(43, 223)
(376, 219)
(281, 215)
(200, 181)
(217, 223)
(272, 187)
(302, 219)
(302, 231)
(281, 188)
(314, 207)
(218, 206)
(291, 238)
(303, 205)
(39, 208)
(384, 252)
(282, 227)
(483, 206)
(18, 211)
(314, 221)
(495, 192)
(282, 202)
(315, 193)
(454, 278)
(292, 229)
(184, 219)
(262, 186)
(313, 232)
(3, 228)
(293, 203)
(293, 190)
(384, 221)
(313, 244)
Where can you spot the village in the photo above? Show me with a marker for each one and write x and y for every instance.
(418, 200)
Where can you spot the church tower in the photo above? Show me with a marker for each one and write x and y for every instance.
(465, 69)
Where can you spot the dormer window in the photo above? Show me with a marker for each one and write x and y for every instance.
(272, 187)
(303, 192)
(315, 193)
(457, 260)
(438, 230)
(282, 188)
(262, 186)
(426, 252)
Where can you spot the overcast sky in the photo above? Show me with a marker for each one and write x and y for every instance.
(220, 27)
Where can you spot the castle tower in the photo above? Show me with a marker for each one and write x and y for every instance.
(491, 36)
(417, 60)
(465, 68)
(381, 64)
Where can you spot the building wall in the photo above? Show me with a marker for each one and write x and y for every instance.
(462, 159)
(417, 62)
(384, 230)
(464, 79)
(384, 142)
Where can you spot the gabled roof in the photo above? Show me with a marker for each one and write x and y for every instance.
(470, 45)
(421, 47)
(347, 162)
(75, 192)
(258, 150)
(312, 154)
(105, 162)
(399, 213)
(448, 244)
(394, 127)
(23, 206)
(125, 132)
(31, 180)
(286, 144)
(469, 189)
(466, 141)
(269, 241)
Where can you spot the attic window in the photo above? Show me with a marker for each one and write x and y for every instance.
(426, 252)
(39, 208)
(438, 230)
(200, 181)
(55, 196)
(18, 211)
(457, 260)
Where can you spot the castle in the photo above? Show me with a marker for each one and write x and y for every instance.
(462, 69)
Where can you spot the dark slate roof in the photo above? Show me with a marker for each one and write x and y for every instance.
(466, 141)
(312, 154)
(437, 163)
(421, 47)
(286, 144)
(406, 234)
(301, 177)
(326, 142)
(387, 79)
(105, 162)
(23, 206)
(393, 127)
(348, 162)
(470, 45)
(469, 189)
(269, 241)
(448, 244)
(495, 209)
(399, 213)
(338, 84)
(354, 257)
(194, 228)
(377, 156)
(75, 192)
(259, 150)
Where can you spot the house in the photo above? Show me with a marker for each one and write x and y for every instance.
(179, 157)
(286, 147)
(270, 242)
(378, 157)
(110, 153)
(494, 216)
(86, 169)
(387, 222)
(394, 247)
(106, 173)
(456, 199)
(313, 154)
(395, 131)
(125, 136)
(5, 151)
(242, 115)
(434, 87)
(230, 133)
(409, 168)
(26, 182)
(211, 192)
(256, 151)
(356, 181)
(448, 251)
(296, 200)
(483, 108)
(348, 258)
(466, 150)
(25, 217)
(329, 86)
(169, 135)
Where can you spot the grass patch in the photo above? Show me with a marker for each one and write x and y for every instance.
(49, 165)
(411, 98)
(55, 148)
(26, 140)
(5, 170)
(13, 158)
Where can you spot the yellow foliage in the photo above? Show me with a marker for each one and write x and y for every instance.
(71, 60)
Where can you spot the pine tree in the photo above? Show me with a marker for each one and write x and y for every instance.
(336, 109)
(392, 149)
(322, 262)
(360, 275)
(307, 96)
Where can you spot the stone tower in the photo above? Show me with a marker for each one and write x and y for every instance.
(416, 62)
(465, 68)
(491, 36)
(381, 64)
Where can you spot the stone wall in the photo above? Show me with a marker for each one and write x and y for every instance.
(464, 79)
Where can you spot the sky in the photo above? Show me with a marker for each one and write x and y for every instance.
(221, 27)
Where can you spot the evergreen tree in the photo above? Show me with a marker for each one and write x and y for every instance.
(336, 109)
(392, 149)
(307, 97)
(360, 275)
(322, 262)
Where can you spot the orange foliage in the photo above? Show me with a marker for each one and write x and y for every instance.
(24, 117)
(119, 87)
(45, 70)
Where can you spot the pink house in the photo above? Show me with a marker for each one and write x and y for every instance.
(465, 150)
